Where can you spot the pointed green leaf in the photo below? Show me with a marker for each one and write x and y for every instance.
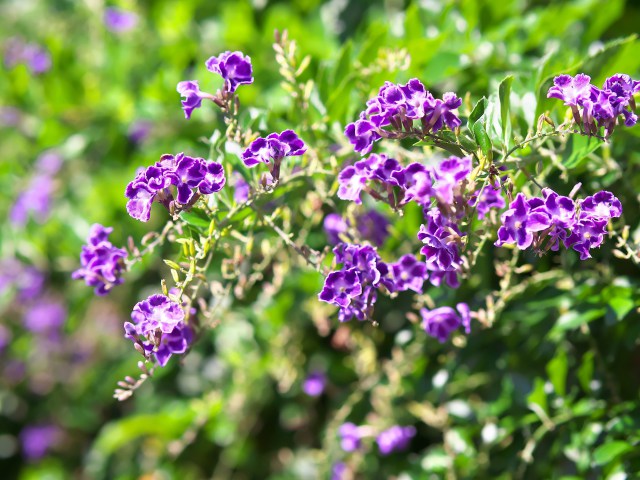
(504, 92)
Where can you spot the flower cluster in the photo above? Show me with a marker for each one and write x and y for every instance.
(102, 263)
(440, 322)
(371, 225)
(190, 176)
(353, 288)
(399, 106)
(37, 59)
(417, 182)
(158, 327)
(593, 107)
(395, 439)
(272, 149)
(441, 237)
(235, 69)
(579, 225)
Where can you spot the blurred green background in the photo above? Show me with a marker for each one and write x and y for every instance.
(550, 391)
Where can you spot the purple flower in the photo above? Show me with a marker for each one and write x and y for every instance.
(27, 280)
(184, 172)
(353, 288)
(340, 287)
(362, 134)
(35, 200)
(274, 148)
(373, 226)
(601, 205)
(314, 384)
(486, 199)
(600, 107)
(440, 248)
(241, 188)
(175, 342)
(417, 183)
(156, 313)
(353, 180)
(37, 440)
(334, 225)
(102, 263)
(409, 273)
(34, 56)
(395, 439)
(339, 471)
(572, 91)
(349, 437)
(139, 131)
(190, 91)
(440, 322)
(448, 175)
(586, 234)
(119, 21)
(441, 113)
(46, 316)
(519, 223)
(234, 67)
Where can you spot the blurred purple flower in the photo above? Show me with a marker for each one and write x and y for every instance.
(37, 440)
(139, 131)
(241, 188)
(118, 20)
(349, 437)
(5, 337)
(10, 116)
(395, 439)
(440, 322)
(46, 316)
(338, 471)
(314, 384)
(334, 225)
(34, 56)
(35, 200)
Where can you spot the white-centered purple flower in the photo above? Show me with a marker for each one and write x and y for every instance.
(519, 223)
(409, 273)
(102, 263)
(448, 175)
(234, 67)
(189, 90)
(273, 149)
(440, 322)
(395, 439)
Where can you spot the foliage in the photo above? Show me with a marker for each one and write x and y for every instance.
(544, 386)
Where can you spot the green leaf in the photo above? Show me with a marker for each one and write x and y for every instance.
(608, 452)
(483, 140)
(573, 319)
(538, 397)
(585, 372)
(504, 91)
(578, 149)
(557, 370)
(476, 113)
(197, 218)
